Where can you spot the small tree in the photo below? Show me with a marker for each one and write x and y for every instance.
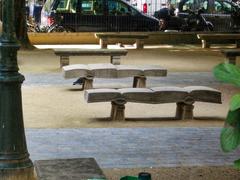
(230, 133)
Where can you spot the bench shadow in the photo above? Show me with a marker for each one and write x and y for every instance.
(212, 118)
(198, 118)
(151, 119)
(74, 89)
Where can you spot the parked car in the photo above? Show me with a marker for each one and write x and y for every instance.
(95, 15)
(224, 15)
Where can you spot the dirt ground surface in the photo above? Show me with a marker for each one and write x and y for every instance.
(61, 106)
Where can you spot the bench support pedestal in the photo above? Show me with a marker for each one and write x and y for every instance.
(103, 43)
(64, 61)
(139, 44)
(115, 60)
(88, 83)
(139, 81)
(205, 44)
(231, 59)
(184, 111)
(118, 110)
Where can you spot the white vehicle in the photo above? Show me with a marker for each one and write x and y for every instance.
(148, 6)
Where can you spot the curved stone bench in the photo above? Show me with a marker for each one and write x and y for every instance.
(88, 72)
(183, 97)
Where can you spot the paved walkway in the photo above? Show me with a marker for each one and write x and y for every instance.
(131, 147)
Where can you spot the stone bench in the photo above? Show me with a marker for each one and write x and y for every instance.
(231, 54)
(209, 38)
(105, 37)
(87, 72)
(183, 97)
(114, 54)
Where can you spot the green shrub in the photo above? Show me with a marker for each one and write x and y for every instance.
(230, 133)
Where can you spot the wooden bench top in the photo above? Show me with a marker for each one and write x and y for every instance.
(231, 52)
(112, 71)
(219, 35)
(119, 35)
(155, 95)
(91, 52)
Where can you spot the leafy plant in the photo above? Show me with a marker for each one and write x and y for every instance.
(230, 133)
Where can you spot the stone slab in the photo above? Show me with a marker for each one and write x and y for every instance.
(204, 94)
(169, 94)
(101, 95)
(143, 95)
(75, 70)
(103, 70)
(68, 169)
(128, 71)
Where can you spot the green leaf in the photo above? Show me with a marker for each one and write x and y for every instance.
(237, 164)
(228, 73)
(230, 138)
(235, 102)
(233, 118)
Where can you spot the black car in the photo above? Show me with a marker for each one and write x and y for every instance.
(96, 15)
(224, 15)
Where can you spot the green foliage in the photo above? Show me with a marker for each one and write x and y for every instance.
(235, 102)
(230, 134)
(237, 164)
(228, 73)
(230, 139)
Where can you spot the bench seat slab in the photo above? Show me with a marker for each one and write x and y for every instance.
(204, 94)
(143, 95)
(169, 94)
(103, 70)
(101, 95)
(75, 70)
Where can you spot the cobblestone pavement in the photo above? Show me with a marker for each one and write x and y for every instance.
(131, 147)
(173, 78)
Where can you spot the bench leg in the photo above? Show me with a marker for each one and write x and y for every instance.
(64, 61)
(205, 44)
(115, 60)
(139, 44)
(103, 43)
(118, 110)
(184, 111)
(88, 83)
(237, 43)
(231, 60)
(139, 81)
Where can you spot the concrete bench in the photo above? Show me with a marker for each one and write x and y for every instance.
(114, 54)
(208, 38)
(88, 72)
(183, 97)
(231, 54)
(105, 37)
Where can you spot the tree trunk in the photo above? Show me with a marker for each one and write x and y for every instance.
(21, 24)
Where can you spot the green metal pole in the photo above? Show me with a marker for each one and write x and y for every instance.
(13, 149)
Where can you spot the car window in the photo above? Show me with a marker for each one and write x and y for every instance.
(63, 6)
(92, 7)
(119, 8)
(222, 7)
(188, 5)
(98, 7)
(227, 8)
